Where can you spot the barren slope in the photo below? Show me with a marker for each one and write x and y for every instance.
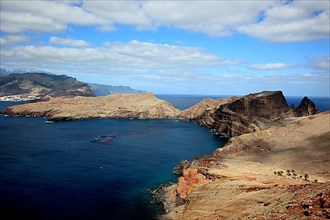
(242, 180)
(141, 106)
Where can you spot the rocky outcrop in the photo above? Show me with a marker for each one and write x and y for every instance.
(206, 105)
(306, 107)
(252, 113)
(140, 106)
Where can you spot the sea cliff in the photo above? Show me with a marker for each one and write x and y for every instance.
(274, 166)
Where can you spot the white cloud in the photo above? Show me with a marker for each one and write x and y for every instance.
(294, 22)
(45, 16)
(69, 42)
(217, 18)
(134, 54)
(271, 66)
(271, 20)
(320, 63)
(13, 39)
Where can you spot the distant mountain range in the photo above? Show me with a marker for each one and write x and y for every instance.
(33, 85)
(103, 90)
(39, 85)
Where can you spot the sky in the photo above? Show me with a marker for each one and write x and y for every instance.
(218, 47)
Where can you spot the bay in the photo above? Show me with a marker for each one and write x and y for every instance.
(54, 171)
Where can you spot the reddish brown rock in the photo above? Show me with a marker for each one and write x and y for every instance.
(188, 181)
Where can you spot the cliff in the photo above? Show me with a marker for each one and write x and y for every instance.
(142, 106)
(306, 107)
(39, 85)
(276, 173)
(252, 113)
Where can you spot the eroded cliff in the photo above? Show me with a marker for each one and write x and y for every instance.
(252, 113)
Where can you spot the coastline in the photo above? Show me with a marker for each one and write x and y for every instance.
(243, 174)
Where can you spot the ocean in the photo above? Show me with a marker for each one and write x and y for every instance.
(54, 171)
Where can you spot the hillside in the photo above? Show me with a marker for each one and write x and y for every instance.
(277, 173)
(140, 106)
(104, 90)
(32, 86)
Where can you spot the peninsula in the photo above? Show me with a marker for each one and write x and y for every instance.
(140, 106)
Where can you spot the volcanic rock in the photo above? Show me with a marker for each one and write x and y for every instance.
(246, 114)
(306, 107)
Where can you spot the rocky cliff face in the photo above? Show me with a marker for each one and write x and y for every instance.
(141, 106)
(306, 107)
(252, 113)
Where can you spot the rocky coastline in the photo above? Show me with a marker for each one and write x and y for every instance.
(274, 166)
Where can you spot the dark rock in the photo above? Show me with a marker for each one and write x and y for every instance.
(306, 107)
(247, 114)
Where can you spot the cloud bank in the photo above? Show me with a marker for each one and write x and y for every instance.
(275, 21)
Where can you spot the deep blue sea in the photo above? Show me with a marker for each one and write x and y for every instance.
(53, 171)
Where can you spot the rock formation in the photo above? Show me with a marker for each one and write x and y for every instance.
(141, 106)
(247, 114)
(306, 107)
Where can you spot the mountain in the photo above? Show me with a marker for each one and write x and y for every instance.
(30, 86)
(104, 90)
(4, 72)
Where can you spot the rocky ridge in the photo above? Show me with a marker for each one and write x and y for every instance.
(252, 113)
(140, 106)
(35, 86)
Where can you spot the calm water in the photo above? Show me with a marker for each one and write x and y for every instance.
(53, 171)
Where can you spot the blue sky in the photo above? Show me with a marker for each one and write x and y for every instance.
(174, 47)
